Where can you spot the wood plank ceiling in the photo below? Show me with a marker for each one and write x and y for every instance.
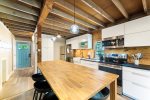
(22, 16)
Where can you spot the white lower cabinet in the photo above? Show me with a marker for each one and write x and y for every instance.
(90, 64)
(136, 83)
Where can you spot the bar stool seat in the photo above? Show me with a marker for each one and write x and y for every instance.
(102, 95)
(38, 77)
(41, 87)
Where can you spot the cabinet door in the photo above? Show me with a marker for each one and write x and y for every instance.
(113, 31)
(135, 90)
(137, 39)
(89, 41)
(138, 25)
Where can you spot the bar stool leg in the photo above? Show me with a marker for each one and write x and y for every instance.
(34, 94)
(40, 96)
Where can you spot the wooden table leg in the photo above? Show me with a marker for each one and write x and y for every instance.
(113, 90)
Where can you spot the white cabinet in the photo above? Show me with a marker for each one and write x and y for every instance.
(138, 25)
(75, 42)
(136, 83)
(113, 31)
(90, 64)
(137, 39)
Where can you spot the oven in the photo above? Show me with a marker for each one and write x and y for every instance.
(114, 42)
(115, 70)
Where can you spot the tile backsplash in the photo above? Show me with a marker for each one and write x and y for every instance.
(144, 50)
(84, 52)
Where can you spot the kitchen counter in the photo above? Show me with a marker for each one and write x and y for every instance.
(145, 67)
(75, 82)
(92, 60)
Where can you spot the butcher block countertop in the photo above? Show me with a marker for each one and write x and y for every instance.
(75, 82)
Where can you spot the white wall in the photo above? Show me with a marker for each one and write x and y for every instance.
(57, 44)
(6, 50)
(51, 49)
(47, 48)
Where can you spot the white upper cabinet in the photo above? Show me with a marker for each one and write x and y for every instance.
(138, 25)
(137, 39)
(76, 41)
(113, 31)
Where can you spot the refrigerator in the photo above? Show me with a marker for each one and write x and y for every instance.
(62, 53)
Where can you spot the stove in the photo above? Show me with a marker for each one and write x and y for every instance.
(113, 64)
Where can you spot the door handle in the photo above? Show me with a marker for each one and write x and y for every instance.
(140, 85)
(29, 55)
(146, 76)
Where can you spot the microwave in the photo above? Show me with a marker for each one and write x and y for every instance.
(113, 42)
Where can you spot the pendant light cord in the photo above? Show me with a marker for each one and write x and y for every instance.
(74, 11)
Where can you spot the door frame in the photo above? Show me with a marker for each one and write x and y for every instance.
(30, 42)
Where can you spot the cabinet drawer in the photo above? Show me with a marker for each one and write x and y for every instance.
(139, 76)
(135, 90)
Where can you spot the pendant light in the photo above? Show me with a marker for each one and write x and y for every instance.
(74, 28)
(58, 36)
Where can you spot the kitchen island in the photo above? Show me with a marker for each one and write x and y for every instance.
(75, 82)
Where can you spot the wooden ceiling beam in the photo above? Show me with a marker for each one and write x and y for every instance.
(17, 19)
(55, 28)
(144, 2)
(47, 7)
(54, 33)
(16, 6)
(121, 8)
(45, 11)
(58, 25)
(98, 9)
(66, 23)
(21, 34)
(18, 25)
(33, 3)
(79, 12)
(18, 28)
(11, 22)
(13, 12)
(71, 18)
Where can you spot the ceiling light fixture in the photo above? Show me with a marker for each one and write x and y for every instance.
(58, 36)
(54, 38)
(74, 28)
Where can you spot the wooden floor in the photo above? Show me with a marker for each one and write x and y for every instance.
(18, 83)
(20, 87)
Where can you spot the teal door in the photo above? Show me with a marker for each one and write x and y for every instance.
(23, 54)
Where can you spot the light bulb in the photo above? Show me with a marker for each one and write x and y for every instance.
(74, 29)
(54, 38)
(58, 36)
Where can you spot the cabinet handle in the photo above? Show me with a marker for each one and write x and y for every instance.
(140, 75)
(140, 85)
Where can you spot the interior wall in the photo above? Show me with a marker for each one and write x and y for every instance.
(47, 48)
(57, 44)
(6, 51)
(96, 36)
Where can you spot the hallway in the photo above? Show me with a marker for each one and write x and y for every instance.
(19, 83)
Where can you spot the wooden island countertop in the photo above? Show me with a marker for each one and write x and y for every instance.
(75, 82)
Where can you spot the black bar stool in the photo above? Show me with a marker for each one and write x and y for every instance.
(102, 95)
(38, 77)
(41, 88)
(50, 96)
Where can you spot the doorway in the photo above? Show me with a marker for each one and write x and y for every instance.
(23, 54)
